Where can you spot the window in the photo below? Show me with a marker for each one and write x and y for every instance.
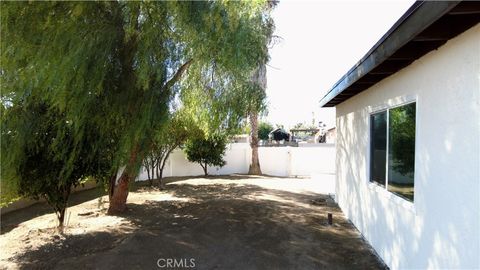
(392, 149)
(378, 150)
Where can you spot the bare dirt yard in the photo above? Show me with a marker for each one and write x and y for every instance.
(230, 222)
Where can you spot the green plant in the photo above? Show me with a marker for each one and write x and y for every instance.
(117, 67)
(206, 151)
(42, 158)
(264, 130)
(172, 135)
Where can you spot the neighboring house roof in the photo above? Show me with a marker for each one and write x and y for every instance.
(424, 27)
(304, 130)
(279, 134)
(278, 130)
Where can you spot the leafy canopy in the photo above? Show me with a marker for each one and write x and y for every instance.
(38, 167)
(176, 131)
(264, 130)
(112, 68)
(207, 151)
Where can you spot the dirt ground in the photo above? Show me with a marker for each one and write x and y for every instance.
(234, 222)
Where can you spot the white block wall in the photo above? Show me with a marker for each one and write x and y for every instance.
(276, 161)
(441, 229)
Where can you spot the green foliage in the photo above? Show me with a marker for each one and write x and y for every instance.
(207, 151)
(113, 70)
(304, 126)
(175, 132)
(264, 129)
(218, 100)
(402, 138)
(36, 144)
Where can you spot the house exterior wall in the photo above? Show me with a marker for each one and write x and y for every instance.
(441, 228)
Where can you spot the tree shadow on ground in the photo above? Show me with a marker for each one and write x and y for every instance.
(236, 177)
(232, 226)
(12, 219)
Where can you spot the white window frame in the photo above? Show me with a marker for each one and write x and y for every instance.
(385, 107)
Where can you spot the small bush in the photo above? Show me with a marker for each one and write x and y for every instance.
(207, 151)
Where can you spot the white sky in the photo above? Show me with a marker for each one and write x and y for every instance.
(322, 40)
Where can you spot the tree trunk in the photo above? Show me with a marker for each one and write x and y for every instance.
(59, 202)
(118, 200)
(205, 169)
(157, 168)
(153, 171)
(148, 171)
(61, 218)
(260, 78)
(111, 184)
(160, 182)
(255, 165)
(161, 165)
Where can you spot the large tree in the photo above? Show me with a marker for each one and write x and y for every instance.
(257, 87)
(259, 84)
(126, 58)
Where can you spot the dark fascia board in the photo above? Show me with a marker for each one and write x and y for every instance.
(417, 18)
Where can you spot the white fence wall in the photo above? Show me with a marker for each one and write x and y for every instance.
(276, 161)
(313, 160)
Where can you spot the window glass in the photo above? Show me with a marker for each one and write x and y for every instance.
(401, 150)
(378, 147)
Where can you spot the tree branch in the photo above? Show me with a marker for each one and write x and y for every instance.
(166, 157)
(177, 75)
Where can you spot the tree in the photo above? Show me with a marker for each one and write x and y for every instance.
(259, 83)
(299, 125)
(304, 126)
(206, 151)
(264, 130)
(127, 58)
(44, 159)
(174, 134)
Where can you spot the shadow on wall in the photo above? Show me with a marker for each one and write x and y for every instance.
(442, 229)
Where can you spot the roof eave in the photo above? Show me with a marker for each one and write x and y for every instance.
(417, 18)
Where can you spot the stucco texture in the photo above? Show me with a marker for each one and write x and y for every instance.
(440, 229)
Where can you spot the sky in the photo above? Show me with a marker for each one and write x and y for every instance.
(320, 41)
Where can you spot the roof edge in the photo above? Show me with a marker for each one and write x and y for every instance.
(416, 19)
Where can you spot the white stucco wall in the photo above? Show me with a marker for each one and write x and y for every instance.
(441, 228)
(275, 161)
